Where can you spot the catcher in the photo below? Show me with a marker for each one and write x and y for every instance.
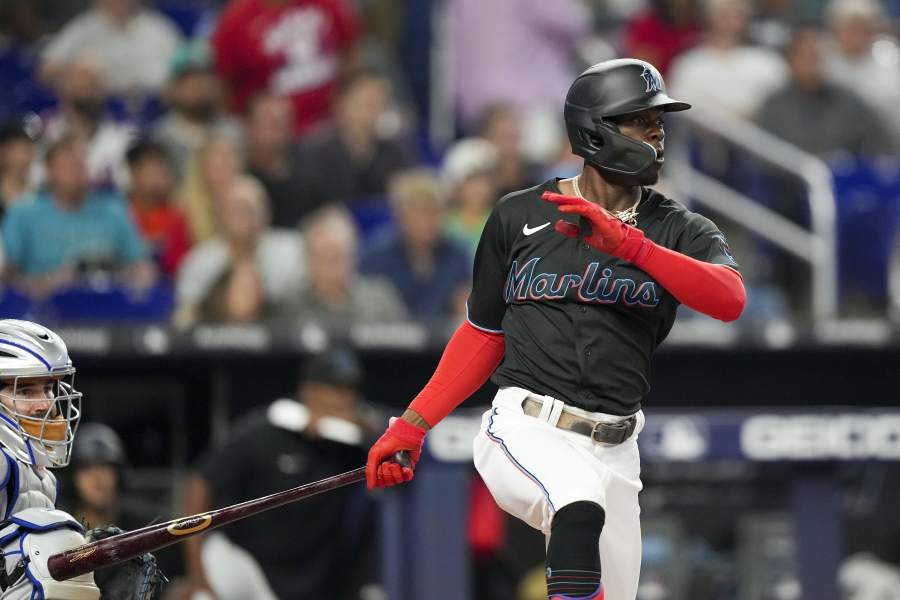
(39, 413)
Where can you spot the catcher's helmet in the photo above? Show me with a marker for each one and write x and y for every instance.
(39, 405)
(615, 88)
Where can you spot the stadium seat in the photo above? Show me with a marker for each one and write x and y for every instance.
(13, 304)
(113, 304)
(868, 199)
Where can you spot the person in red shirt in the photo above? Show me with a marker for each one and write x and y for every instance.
(160, 221)
(662, 32)
(293, 48)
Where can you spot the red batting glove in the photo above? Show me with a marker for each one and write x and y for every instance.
(381, 471)
(608, 234)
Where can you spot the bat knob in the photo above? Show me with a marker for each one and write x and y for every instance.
(402, 459)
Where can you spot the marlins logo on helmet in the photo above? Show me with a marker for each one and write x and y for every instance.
(654, 81)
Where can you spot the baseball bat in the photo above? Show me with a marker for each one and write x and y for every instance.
(119, 548)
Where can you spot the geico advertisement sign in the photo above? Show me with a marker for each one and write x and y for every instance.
(772, 437)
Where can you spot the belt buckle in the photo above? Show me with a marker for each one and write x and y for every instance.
(621, 428)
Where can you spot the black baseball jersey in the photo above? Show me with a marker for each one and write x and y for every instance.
(579, 325)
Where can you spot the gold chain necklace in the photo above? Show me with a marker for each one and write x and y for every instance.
(628, 216)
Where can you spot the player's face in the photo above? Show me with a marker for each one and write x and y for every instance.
(647, 126)
(151, 179)
(30, 396)
(67, 172)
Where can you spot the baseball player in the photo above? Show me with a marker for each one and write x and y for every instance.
(39, 413)
(576, 282)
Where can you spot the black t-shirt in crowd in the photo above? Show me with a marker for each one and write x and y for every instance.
(308, 549)
(579, 325)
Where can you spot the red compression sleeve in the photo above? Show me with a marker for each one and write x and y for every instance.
(469, 359)
(714, 290)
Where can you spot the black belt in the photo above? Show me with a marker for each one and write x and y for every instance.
(602, 432)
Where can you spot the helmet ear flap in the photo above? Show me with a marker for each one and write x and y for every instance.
(591, 140)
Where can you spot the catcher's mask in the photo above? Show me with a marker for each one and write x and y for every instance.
(609, 89)
(39, 406)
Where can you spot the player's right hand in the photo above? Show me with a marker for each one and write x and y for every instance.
(608, 234)
(401, 435)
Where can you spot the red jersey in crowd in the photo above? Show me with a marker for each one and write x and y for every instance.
(650, 37)
(293, 48)
(165, 232)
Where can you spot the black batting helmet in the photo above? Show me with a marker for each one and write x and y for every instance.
(615, 88)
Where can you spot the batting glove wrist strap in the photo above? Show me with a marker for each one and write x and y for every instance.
(635, 247)
(406, 432)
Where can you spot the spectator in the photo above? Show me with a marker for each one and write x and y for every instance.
(355, 157)
(271, 159)
(133, 44)
(431, 271)
(335, 296)
(662, 32)
(243, 272)
(295, 48)
(195, 99)
(158, 218)
(16, 160)
(211, 172)
(843, 122)
(83, 111)
(501, 125)
(100, 495)
(468, 176)
(505, 47)
(53, 236)
(98, 461)
(773, 21)
(723, 72)
(563, 163)
(42, 16)
(316, 434)
(862, 62)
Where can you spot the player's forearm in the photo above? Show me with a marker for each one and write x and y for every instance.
(468, 361)
(714, 290)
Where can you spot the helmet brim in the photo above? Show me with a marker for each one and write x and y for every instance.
(658, 101)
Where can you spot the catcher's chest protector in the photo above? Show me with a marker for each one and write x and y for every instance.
(23, 488)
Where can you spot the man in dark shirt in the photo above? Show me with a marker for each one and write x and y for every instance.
(353, 159)
(272, 158)
(817, 115)
(309, 549)
(574, 311)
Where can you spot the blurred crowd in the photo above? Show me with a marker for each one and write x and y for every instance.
(280, 161)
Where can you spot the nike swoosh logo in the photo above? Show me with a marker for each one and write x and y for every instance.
(529, 230)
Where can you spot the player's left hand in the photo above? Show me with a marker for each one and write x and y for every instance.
(608, 234)
(138, 578)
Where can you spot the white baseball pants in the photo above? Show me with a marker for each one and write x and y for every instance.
(533, 469)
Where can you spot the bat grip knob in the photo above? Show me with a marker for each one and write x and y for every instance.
(402, 459)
